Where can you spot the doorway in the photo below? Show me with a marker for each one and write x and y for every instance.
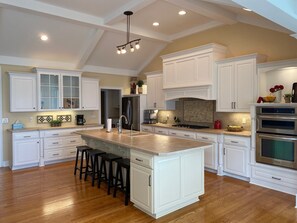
(111, 105)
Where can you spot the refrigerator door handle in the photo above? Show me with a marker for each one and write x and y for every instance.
(129, 112)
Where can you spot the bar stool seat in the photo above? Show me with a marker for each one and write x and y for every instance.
(82, 150)
(119, 180)
(92, 161)
(109, 178)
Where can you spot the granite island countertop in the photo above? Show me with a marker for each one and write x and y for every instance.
(244, 133)
(145, 142)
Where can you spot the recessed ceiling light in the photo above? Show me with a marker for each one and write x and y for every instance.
(44, 37)
(246, 9)
(156, 24)
(182, 12)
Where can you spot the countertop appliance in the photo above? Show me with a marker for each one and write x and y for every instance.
(80, 120)
(276, 137)
(150, 116)
(190, 126)
(133, 107)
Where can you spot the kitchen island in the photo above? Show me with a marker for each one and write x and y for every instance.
(167, 173)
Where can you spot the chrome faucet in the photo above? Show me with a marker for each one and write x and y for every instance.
(120, 129)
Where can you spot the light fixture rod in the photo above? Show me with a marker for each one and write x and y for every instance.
(123, 46)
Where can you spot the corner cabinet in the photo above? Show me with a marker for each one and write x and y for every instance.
(90, 94)
(23, 92)
(237, 83)
(58, 89)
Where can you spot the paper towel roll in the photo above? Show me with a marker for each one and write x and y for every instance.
(109, 124)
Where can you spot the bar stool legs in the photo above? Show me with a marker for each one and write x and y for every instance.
(82, 150)
(119, 180)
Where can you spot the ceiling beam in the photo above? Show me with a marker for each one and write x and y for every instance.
(90, 46)
(37, 7)
(280, 12)
(206, 9)
(134, 6)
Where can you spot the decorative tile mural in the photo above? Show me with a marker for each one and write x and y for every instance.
(44, 119)
(64, 118)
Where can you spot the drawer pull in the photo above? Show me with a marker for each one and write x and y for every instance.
(56, 154)
(72, 152)
(138, 160)
(150, 177)
(55, 143)
(186, 135)
(173, 133)
(56, 134)
(73, 141)
(234, 141)
(27, 136)
(276, 178)
(204, 138)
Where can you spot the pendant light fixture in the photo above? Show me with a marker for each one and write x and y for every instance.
(134, 44)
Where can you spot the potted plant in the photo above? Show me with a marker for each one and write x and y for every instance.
(139, 84)
(55, 123)
(288, 97)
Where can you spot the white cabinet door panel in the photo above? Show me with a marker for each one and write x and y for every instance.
(204, 69)
(26, 152)
(141, 186)
(225, 87)
(235, 160)
(90, 94)
(23, 91)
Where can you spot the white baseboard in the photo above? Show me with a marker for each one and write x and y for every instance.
(4, 164)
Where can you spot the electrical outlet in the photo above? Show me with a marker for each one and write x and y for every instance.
(31, 119)
(243, 120)
(4, 120)
(167, 117)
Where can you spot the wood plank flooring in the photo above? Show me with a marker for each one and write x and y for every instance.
(54, 194)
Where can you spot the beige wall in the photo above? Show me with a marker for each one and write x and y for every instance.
(240, 39)
(106, 80)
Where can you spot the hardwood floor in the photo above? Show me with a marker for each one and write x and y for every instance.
(54, 194)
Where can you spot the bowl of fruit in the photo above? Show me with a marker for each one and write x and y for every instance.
(269, 98)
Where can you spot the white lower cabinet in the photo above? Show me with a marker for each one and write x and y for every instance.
(182, 134)
(25, 149)
(60, 144)
(163, 184)
(145, 128)
(236, 155)
(211, 153)
(161, 131)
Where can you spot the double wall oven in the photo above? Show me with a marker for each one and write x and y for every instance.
(276, 138)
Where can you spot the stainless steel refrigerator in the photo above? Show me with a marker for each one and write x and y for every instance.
(133, 107)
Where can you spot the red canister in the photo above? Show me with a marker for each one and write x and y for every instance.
(217, 124)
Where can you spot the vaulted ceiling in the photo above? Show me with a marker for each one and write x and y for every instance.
(83, 34)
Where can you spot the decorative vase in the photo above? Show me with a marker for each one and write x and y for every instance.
(278, 96)
(287, 99)
(139, 90)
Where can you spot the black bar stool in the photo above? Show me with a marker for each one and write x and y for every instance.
(92, 161)
(82, 150)
(108, 157)
(119, 181)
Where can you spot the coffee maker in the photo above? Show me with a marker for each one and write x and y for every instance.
(150, 116)
(80, 120)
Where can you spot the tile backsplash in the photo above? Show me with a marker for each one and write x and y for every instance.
(202, 112)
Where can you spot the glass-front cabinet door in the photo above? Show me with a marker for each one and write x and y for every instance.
(58, 89)
(71, 92)
(49, 91)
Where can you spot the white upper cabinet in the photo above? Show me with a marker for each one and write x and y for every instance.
(58, 89)
(237, 83)
(23, 91)
(90, 94)
(193, 68)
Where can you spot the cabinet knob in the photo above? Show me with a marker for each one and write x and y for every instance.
(33, 107)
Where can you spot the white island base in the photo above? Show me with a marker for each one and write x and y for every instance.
(166, 173)
(163, 184)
